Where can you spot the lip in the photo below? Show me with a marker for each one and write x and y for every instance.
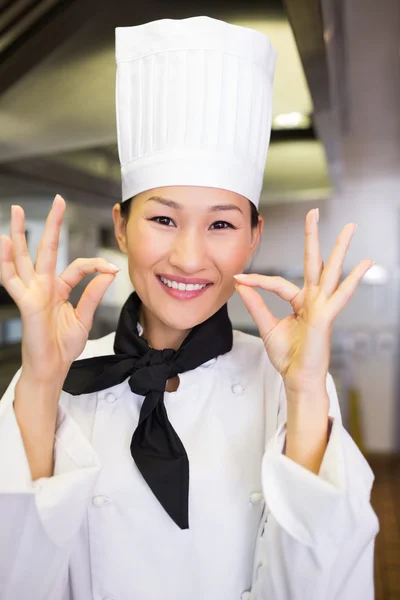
(186, 280)
(181, 294)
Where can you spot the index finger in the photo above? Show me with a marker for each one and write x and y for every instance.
(46, 259)
(271, 283)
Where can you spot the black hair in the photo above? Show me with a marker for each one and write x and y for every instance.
(254, 216)
(125, 208)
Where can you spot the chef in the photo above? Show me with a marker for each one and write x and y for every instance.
(186, 460)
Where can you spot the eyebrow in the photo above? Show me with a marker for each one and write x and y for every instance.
(176, 206)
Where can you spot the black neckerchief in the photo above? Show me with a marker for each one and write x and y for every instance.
(155, 447)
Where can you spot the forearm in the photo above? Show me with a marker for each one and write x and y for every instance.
(35, 407)
(307, 427)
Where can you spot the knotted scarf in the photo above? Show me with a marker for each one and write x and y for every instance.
(155, 447)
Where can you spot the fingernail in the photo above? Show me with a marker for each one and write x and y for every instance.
(241, 275)
(113, 266)
(317, 214)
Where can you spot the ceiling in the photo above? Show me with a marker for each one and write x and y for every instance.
(62, 107)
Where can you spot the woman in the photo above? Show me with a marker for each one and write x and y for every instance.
(177, 459)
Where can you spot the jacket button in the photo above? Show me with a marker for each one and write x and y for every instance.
(256, 497)
(110, 397)
(98, 501)
(237, 389)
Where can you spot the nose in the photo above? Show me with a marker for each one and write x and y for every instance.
(188, 252)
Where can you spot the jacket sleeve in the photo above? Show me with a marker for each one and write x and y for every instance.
(316, 538)
(40, 519)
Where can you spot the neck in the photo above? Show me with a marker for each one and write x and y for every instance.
(159, 335)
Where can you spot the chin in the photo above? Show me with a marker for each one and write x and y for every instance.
(184, 315)
(183, 318)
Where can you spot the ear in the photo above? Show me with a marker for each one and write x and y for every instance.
(256, 234)
(119, 228)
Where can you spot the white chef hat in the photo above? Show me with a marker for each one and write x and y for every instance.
(193, 100)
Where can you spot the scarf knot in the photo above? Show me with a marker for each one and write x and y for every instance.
(152, 371)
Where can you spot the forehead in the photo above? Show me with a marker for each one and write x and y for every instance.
(195, 196)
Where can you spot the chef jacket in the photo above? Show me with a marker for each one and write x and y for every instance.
(261, 527)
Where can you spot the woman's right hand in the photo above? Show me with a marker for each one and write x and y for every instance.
(54, 333)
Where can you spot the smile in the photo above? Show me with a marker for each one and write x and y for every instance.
(183, 286)
(183, 291)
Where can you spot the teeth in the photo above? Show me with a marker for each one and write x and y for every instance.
(190, 287)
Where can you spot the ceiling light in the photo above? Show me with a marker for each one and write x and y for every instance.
(376, 275)
(292, 120)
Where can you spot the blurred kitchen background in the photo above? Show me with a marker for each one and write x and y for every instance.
(335, 145)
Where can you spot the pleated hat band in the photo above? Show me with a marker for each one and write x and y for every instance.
(194, 105)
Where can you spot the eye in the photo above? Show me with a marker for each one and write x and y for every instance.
(222, 225)
(162, 221)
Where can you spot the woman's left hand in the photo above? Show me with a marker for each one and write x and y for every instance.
(299, 345)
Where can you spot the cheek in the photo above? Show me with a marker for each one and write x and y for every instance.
(145, 247)
(232, 255)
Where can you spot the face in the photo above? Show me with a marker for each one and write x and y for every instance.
(184, 244)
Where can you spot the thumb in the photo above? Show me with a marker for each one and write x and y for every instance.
(91, 298)
(261, 315)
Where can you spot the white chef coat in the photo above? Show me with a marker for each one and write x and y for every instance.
(261, 527)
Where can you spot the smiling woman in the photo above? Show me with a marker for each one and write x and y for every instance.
(177, 458)
(186, 235)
